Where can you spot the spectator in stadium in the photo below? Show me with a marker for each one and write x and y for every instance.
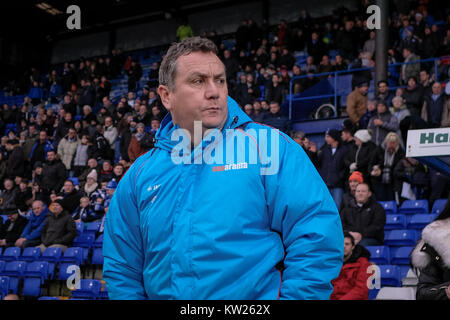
(140, 143)
(91, 184)
(3, 165)
(81, 156)
(365, 218)
(105, 171)
(53, 174)
(63, 127)
(351, 284)
(59, 228)
(31, 234)
(413, 97)
(371, 111)
(110, 132)
(258, 113)
(134, 75)
(8, 195)
(16, 162)
(24, 196)
(276, 119)
(308, 146)
(357, 102)
(36, 93)
(11, 230)
(67, 148)
(325, 65)
(185, 61)
(411, 172)
(412, 69)
(360, 157)
(275, 91)
(436, 108)
(369, 45)
(315, 47)
(101, 149)
(348, 198)
(430, 257)
(332, 164)
(184, 30)
(401, 112)
(88, 115)
(382, 123)
(382, 165)
(92, 164)
(384, 93)
(85, 211)
(87, 94)
(70, 196)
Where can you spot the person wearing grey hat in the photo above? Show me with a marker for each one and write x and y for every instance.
(11, 230)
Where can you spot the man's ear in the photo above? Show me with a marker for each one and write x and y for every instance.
(164, 94)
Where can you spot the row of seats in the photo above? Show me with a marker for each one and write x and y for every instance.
(384, 255)
(89, 289)
(413, 206)
(416, 221)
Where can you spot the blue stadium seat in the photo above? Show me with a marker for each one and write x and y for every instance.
(77, 117)
(4, 286)
(48, 298)
(97, 256)
(14, 270)
(11, 253)
(31, 254)
(438, 206)
(395, 221)
(414, 206)
(373, 293)
(37, 269)
(400, 256)
(4, 217)
(2, 266)
(32, 287)
(390, 207)
(92, 227)
(73, 255)
(80, 227)
(98, 242)
(420, 220)
(64, 273)
(52, 255)
(403, 237)
(103, 295)
(84, 240)
(379, 255)
(74, 180)
(390, 276)
(89, 288)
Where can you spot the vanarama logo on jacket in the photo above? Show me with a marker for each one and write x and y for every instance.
(255, 223)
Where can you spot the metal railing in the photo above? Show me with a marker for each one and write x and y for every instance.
(335, 75)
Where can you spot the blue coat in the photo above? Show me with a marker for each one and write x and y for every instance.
(200, 231)
(34, 226)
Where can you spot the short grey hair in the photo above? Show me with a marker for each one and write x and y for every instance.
(167, 71)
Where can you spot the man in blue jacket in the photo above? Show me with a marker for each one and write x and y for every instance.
(31, 235)
(262, 227)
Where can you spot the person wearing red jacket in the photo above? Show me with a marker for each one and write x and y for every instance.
(351, 284)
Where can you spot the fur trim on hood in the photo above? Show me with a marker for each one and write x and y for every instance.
(437, 235)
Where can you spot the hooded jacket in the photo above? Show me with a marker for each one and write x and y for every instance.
(202, 231)
(34, 226)
(431, 256)
(352, 281)
(59, 229)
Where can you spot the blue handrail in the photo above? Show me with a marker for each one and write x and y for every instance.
(336, 74)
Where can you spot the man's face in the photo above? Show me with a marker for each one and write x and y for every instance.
(118, 170)
(364, 90)
(362, 193)
(92, 163)
(200, 92)
(13, 217)
(56, 208)
(50, 156)
(155, 124)
(274, 108)
(382, 87)
(381, 108)
(345, 136)
(436, 88)
(108, 122)
(411, 82)
(42, 136)
(68, 187)
(424, 76)
(106, 166)
(348, 247)
(37, 207)
(72, 133)
(68, 117)
(9, 184)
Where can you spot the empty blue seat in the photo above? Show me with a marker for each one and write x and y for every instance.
(98, 242)
(11, 253)
(14, 270)
(51, 255)
(92, 227)
(403, 237)
(438, 206)
(379, 255)
(390, 276)
(89, 288)
(37, 269)
(414, 206)
(421, 220)
(73, 255)
(4, 286)
(32, 287)
(48, 298)
(395, 221)
(97, 256)
(31, 254)
(389, 207)
(400, 256)
(85, 240)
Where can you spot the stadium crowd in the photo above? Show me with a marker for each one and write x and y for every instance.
(72, 144)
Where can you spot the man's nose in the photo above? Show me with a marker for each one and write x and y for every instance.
(212, 90)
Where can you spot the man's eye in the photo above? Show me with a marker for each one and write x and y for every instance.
(197, 81)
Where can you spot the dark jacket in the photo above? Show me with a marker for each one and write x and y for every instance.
(378, 159)
(431, 258)
(413, 100)
(8, 199)
(34, 226)
(352, 281)
(369, 220)
(14, 234)
(59, 229)
(54, 174)
(71, 200)
(15, 163)
(278, 121)
(362, 157)
(390, 124)
(332, 167)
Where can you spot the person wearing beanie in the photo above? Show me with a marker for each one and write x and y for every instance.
(59, 228)
(11, 230)
(91, 183)
(360, 157)
(349, 197)
(331, 162)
